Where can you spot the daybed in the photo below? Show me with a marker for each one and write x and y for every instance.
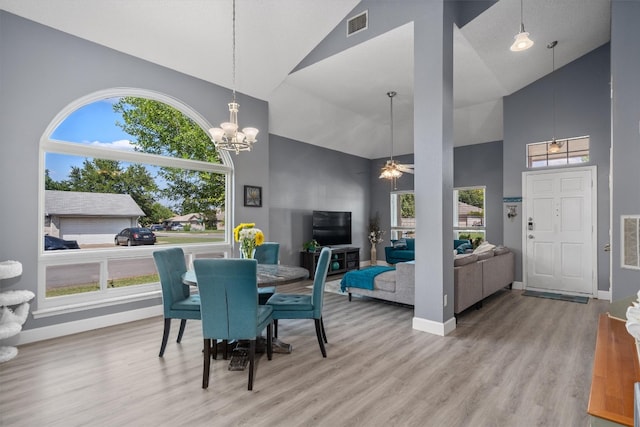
(397, 285)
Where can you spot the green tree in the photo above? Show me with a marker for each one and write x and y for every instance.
(159, 213)
(108, 176)
(473, 197)
(50, 184)
(408, 206)
(161, 129)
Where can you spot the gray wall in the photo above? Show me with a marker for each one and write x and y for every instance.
(625, 69)
(481, 164)
(43, 70)
(304, 178)
(582, 108)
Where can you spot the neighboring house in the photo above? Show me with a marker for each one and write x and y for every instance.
(89, 218)
(194, 220)
(469, 215)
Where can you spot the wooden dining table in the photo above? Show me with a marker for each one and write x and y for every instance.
(267, 275)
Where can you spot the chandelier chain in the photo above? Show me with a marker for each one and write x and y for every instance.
(233, 61)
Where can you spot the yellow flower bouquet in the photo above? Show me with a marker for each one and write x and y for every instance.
(249, 238)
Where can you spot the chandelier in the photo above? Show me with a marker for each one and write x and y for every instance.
(227, 137)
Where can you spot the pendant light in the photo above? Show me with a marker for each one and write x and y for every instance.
(554, 146)
(522, 40)
(227, 137)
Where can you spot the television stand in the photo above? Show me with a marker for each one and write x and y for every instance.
(341, 261)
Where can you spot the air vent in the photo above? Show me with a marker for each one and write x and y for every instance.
(357, 23)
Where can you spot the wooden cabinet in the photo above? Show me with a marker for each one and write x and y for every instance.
(342, 260)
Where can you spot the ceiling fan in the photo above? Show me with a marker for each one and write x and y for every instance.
(393, 170)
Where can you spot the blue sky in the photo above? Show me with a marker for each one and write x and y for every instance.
(93, 124)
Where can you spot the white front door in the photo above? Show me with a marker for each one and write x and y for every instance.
(560, 230)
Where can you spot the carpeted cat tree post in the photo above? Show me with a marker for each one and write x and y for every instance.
(11, 320)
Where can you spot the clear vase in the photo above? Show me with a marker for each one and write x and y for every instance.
(374, 258)
(248, 253)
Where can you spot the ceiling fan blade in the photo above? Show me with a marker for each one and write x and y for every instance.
(405, 168)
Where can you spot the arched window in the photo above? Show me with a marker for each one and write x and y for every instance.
(126, 172)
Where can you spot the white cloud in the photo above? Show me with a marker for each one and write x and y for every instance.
(123, 145)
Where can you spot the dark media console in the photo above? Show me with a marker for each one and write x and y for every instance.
(342, 260)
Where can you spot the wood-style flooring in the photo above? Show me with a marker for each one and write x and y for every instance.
(518, 361)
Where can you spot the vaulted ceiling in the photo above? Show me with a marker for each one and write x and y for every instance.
(340, 102)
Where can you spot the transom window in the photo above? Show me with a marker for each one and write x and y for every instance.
(121, 161)
(565, 152)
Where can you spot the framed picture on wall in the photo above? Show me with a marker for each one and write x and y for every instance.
(253, 196)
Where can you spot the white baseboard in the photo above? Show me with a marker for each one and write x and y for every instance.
(605, 295)
(435, 328)
(63, 329)
(517, 285)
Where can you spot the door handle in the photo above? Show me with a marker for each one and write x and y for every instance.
(607, 247)
(531, 236)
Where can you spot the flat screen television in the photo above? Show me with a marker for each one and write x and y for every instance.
(332, 228)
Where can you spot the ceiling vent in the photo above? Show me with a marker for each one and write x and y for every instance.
(358, 23)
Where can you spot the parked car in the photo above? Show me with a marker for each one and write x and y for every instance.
(177, 227)
(156, 227)
(54, 243)
(135, 236)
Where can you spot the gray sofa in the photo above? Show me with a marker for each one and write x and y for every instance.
(478, 275)
(475, 277)
(396, 285)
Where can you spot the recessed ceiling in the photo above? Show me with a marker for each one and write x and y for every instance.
(340, 102)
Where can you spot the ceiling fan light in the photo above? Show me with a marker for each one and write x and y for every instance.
(521, 42)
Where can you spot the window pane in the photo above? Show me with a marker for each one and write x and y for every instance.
(403, 220)
(72, 279)
(469, 209)
(95, 199)
(130, 272)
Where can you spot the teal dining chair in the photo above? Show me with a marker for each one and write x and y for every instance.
(177, 301)
(267, 253)
(304, 306)
(229, 307)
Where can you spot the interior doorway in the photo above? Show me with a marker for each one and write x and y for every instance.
(559, 231)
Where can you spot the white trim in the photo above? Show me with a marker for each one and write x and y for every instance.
(517, 285)
(604, 295)
(432, 327)
(83, 325)
(91, 305)
(79, 302)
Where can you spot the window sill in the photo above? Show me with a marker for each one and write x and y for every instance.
(90, 305)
